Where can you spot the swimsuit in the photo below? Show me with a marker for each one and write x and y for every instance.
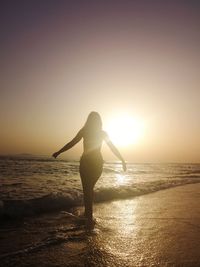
(91, 166)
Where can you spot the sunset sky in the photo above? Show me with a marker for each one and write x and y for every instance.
(137, 59)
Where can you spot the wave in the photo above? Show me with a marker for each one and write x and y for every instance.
(11, 209)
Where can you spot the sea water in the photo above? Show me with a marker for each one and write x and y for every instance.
(31, 185)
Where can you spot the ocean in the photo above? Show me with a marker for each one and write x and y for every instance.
(31, 185)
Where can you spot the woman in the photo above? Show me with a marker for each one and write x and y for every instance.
(91, 162)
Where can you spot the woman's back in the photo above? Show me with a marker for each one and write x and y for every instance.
(92, 140)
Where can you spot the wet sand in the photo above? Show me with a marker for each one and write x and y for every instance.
(158, 229)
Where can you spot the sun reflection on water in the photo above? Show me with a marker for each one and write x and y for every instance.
(120, 179)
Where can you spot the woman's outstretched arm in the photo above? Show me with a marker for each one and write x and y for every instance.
(69, 145)
(115, 150)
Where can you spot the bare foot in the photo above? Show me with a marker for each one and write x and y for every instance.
(90, 223)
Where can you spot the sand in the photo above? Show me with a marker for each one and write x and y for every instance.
(158, 229)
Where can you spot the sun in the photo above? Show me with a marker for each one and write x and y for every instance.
(125, 130)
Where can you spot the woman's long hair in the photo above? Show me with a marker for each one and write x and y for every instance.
(93, 123)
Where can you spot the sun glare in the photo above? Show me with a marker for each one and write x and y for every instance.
(125, 130)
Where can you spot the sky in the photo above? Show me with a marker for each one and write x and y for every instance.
(62, 59)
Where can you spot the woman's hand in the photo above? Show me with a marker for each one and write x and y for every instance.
(124, 165)
(55, 154)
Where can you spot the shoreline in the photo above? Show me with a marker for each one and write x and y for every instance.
(19, 209)
(157, 229)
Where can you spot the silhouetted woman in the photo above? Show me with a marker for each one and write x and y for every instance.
(91, 162)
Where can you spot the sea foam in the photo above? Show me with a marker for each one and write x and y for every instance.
(57, 201)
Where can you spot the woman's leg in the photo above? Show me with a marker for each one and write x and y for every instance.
(90, 173)
(88, 196)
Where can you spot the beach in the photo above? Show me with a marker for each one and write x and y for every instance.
(100, 118)
(157, 229)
